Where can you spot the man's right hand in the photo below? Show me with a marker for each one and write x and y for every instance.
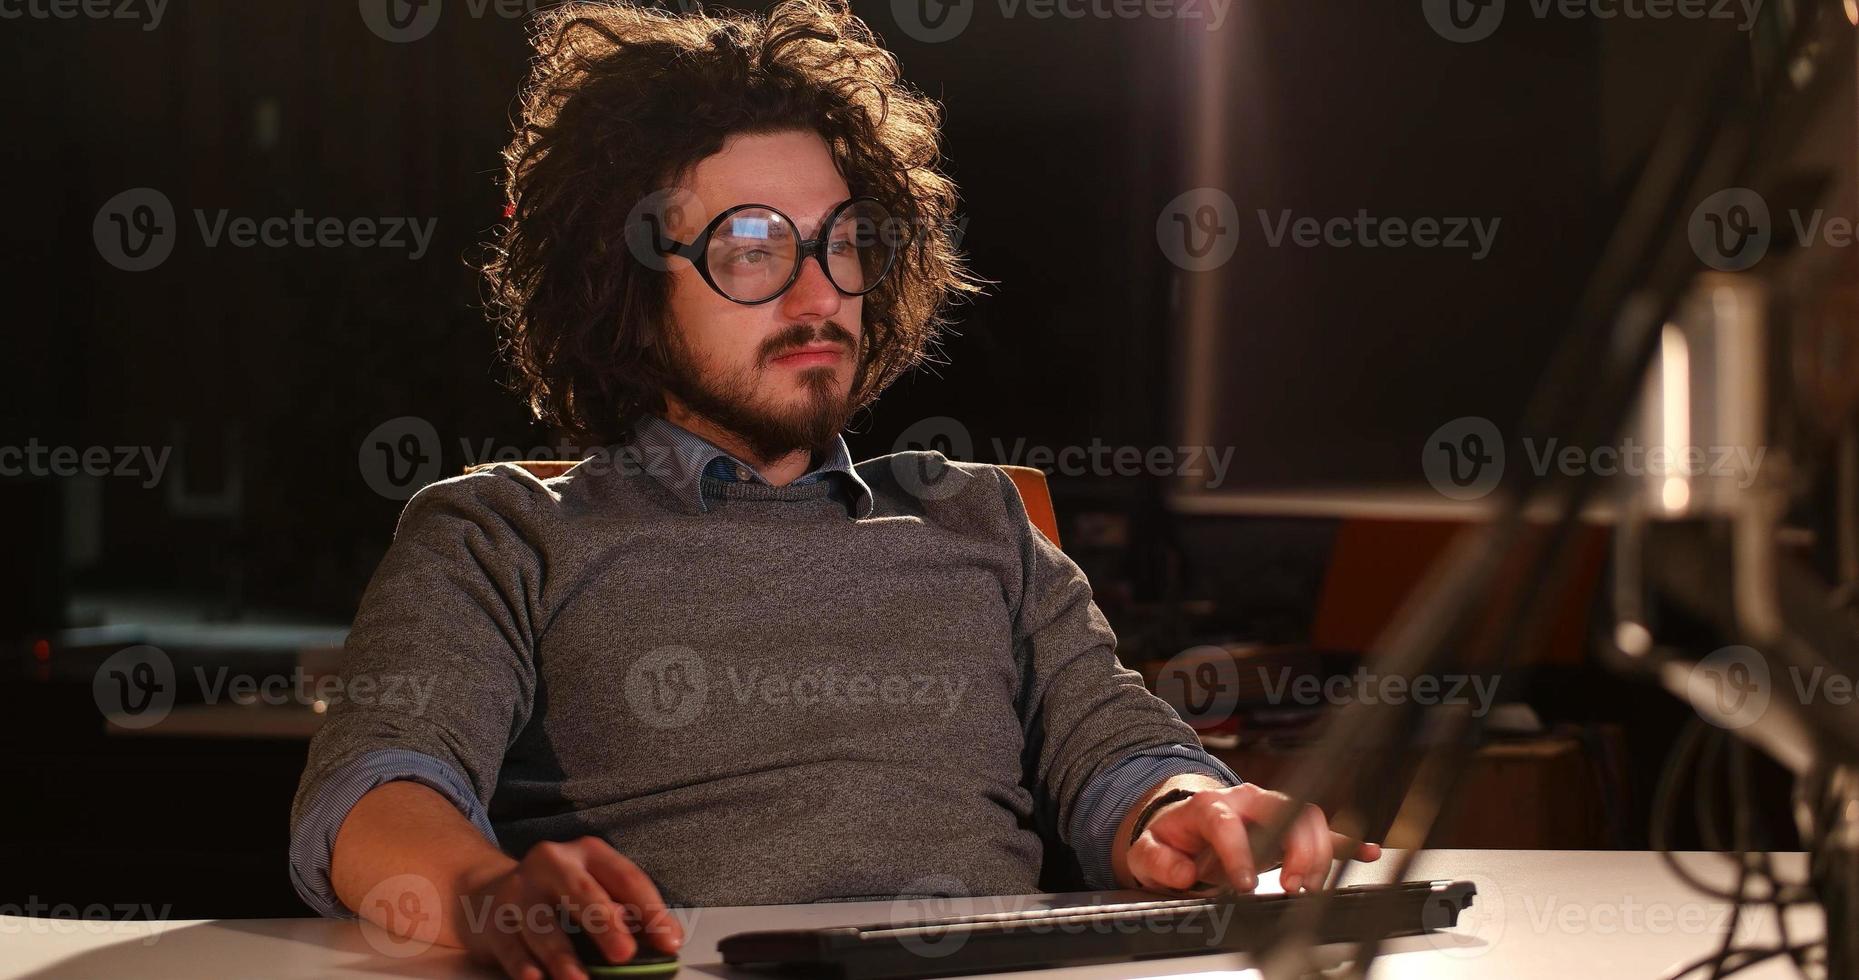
(513, 909)
(505, 911)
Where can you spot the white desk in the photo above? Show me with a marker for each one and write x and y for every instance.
(1560, 914)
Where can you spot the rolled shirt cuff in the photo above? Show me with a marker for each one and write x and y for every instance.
(313, 840)
(1108, 798)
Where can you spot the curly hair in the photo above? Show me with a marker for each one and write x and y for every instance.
(622, 101)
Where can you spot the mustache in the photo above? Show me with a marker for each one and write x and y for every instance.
(802, 334)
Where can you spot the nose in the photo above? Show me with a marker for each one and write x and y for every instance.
(812, 297)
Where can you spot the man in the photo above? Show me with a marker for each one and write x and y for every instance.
(717, 663)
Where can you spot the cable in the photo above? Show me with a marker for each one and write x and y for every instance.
(1754, 957)
(1698, 743)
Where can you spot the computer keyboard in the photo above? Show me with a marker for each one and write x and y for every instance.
(1038, 938)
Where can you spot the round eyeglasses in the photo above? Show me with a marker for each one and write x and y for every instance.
(752, 253)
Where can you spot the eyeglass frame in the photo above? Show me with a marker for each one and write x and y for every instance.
(697, 250)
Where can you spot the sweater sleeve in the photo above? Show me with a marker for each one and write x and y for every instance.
(438, 667)
(1082, 711)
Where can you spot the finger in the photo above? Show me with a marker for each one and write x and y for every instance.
(1299, 854)
(1323, 853)
(1359, 849)
(1222, 829)
(632, 887)
(1312, 836)
(1156, 865)
(1261, 811)
(513, 955)
(591, 909)
(549, 946)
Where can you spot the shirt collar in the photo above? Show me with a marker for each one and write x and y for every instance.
(677, 458)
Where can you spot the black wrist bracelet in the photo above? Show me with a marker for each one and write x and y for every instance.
(1148, 814)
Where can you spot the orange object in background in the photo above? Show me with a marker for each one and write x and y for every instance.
(1375, 564)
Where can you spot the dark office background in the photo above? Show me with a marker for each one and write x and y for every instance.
(266, 368)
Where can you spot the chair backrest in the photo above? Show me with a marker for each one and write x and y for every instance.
(1034, 492)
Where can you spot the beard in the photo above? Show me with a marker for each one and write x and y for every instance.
(729, 401)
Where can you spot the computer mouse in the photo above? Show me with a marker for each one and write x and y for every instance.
(646, 962)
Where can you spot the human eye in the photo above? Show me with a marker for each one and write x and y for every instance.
(747, 256)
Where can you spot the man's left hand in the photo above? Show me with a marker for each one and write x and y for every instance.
(1209, 837)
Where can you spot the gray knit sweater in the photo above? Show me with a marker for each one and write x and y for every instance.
(790, 697)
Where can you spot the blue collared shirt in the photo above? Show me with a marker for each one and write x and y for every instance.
(687, 457)
(1100, 809)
